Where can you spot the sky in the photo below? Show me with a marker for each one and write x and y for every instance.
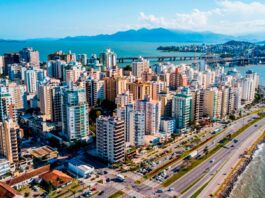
(23, 19)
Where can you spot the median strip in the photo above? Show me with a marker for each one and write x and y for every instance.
(195, 163)
(117, 194)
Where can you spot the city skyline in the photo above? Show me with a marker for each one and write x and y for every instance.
(59, 18)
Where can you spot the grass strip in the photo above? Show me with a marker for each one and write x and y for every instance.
(198, 192)
(164, 166)
(192, 165)
(117, 194)
(195, 163)
(173, 161)
(193, 183)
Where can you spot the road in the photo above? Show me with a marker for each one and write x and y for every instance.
(214, 142)
(220, 156)
(233, 159)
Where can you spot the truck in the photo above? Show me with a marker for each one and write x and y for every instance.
(216, 131)
(192, 155)
(120, 178)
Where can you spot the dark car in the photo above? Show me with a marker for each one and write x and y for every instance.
(101, 193)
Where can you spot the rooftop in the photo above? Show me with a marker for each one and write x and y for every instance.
(57, 178)
(44, 152)
(7, 191)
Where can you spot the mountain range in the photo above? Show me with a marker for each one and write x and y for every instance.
(159, 35)
(155, 35)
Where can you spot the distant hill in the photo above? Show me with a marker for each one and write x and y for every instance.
(155, 35)
(9, 41)
(238, 43)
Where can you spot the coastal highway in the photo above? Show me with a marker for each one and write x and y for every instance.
(233, 159)
(220, 156)
(235, 126)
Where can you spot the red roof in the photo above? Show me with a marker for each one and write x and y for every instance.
(28, 175)
(57, 178)
(7, 191)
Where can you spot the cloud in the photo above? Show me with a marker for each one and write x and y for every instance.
(228, 17)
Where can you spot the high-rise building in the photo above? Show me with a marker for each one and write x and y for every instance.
(248, 85)
(82, 58)
(31, 81)
(139, 66)
(182, 109)
(124, 99)
(2, 64)
(110, 88)
(166, 103)
(225, 101)
(56, 93)
(152, 110)
(7, 105)
(211, 103)
(134, 124)
(45, 96)
(108, 59)
(59, 55)
(17, 93)
(197, 105)
(157, 87)
(168, 125)
(10, 58)
(75, 120)
(124, 114)
(29, 55)
(137, 123)
(178, 79)
(55, 68)
(110, 141)
(140, 90)
(95, 91)
(8, 140)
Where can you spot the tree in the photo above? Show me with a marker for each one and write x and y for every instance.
(127, 68)
(205, 150)
(232, 117)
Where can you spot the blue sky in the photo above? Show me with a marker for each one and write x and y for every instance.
(21, 19)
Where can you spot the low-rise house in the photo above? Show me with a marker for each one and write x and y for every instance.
(28, 177)
(57, 179)
(44, 154)
(7, 191)
(79, 168)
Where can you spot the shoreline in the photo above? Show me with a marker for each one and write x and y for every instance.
(228, 186)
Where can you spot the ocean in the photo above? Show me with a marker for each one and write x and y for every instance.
(251, 184)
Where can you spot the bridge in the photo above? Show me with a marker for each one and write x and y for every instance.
(209, 59)
(161, 58)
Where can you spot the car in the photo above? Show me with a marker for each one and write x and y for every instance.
(159, 191)
(232, 145)
(108, 180)
(101, 192)
(255, 125)
(85, 194)
(212, 160)
(35, 188)
(171, 189)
